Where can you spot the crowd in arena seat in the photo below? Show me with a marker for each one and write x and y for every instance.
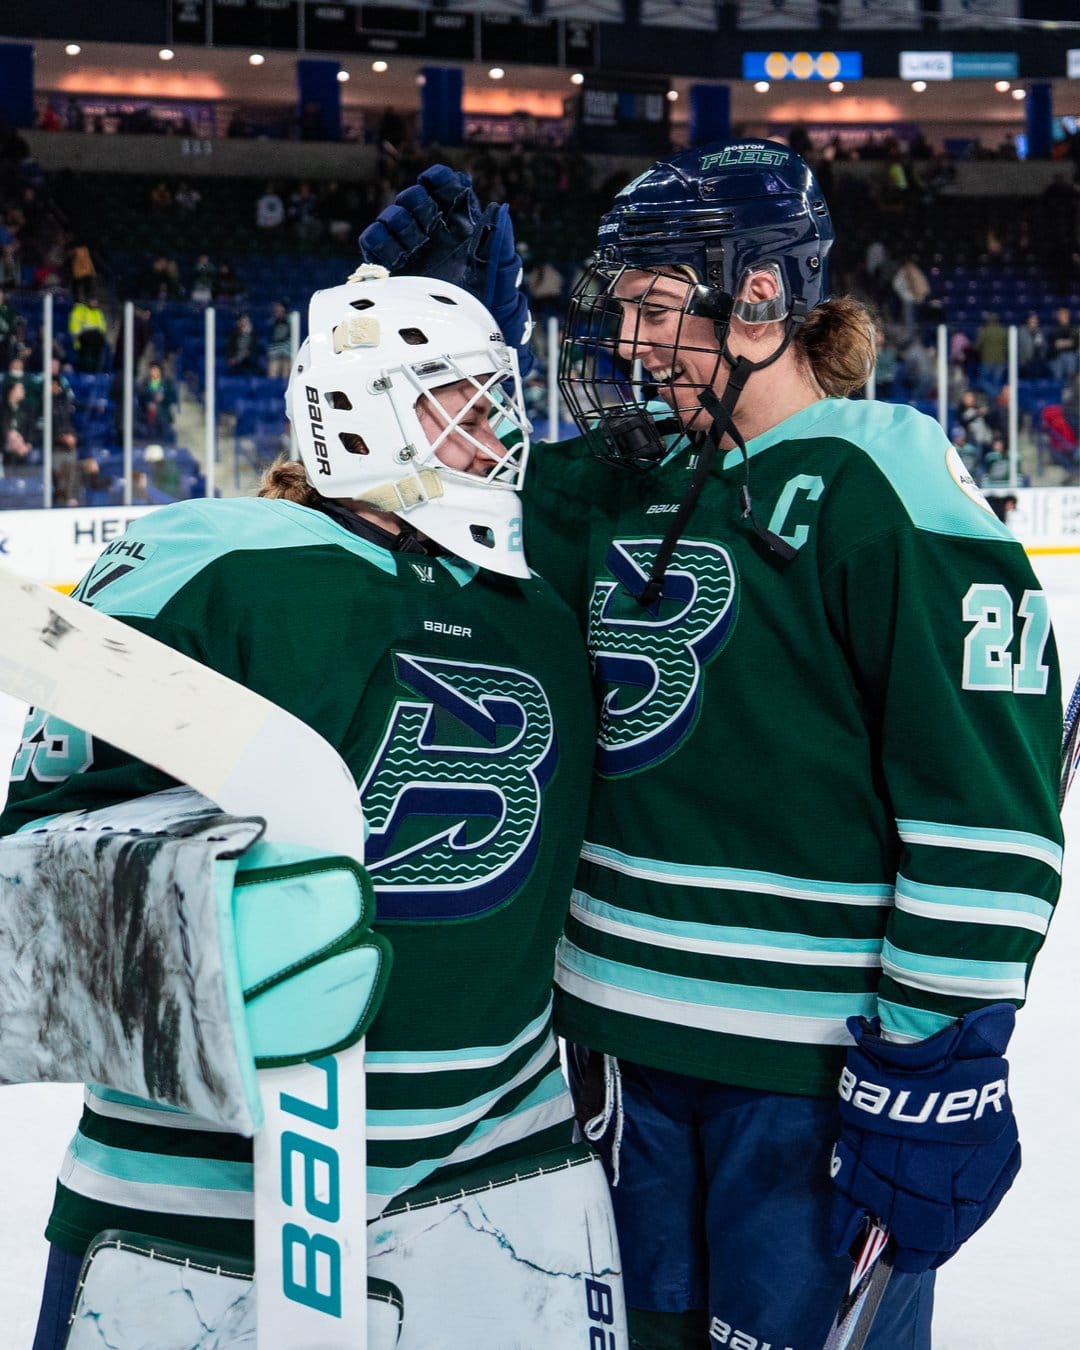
(255, 249)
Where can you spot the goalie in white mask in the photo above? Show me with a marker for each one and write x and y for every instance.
(377, 590)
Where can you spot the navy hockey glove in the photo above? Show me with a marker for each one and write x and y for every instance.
(437, 228)
(928, 1142)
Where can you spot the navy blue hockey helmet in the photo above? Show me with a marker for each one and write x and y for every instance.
(722, 210)
(717, 217)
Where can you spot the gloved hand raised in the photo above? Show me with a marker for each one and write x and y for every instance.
(437, 228)
(928, 1143)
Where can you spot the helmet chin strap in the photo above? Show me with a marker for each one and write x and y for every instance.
(721, 410)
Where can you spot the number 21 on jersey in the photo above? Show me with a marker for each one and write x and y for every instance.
(991, 661)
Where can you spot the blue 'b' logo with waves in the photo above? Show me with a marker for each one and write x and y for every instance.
(452, 797)
(650, 665)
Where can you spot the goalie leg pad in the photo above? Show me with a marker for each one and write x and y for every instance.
(526, 1256)
(138, 1294)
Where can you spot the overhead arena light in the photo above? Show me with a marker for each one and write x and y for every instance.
(73, 49)
(256, 59)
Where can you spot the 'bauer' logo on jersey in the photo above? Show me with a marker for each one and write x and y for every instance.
(651, 665)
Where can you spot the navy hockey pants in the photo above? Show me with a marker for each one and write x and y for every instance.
(722, 1208)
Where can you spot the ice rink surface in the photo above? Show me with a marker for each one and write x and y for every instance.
(1016, 1283)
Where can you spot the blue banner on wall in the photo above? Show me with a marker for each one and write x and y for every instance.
(802, 65)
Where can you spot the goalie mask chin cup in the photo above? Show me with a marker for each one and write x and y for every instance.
(714, 216)
(380, 348)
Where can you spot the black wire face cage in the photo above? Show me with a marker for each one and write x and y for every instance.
(622, 364)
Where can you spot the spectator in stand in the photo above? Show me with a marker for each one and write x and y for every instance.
(920, 366)
(7, 329)
(187, 198)
(912, 288)
(162, 280)
(975, 416)
(886, 366)
(1064, 346)
(304, 214)
(242, 349)
(16, 426)
(88, 328)
(335, 214)
(50, 119)
(995, 466)
(203, 278)
(227, 285)
(992, 348)
(161, 199)
(82, 269)
(968, 451)
(141, 346)
(269, 210)
(279, 343)
(15, 374)
(155, 398)
(1032, 349)
(48, 274)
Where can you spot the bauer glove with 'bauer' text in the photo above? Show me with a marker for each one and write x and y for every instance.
(437, 228)
(928, 1142)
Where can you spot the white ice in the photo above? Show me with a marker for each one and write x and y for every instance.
(1016, 1283)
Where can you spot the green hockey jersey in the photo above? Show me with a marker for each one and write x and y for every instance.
(824, 786)
(460, 699)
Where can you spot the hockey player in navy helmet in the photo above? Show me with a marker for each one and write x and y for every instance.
(823, 844)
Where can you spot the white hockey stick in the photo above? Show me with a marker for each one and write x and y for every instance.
(251, 758)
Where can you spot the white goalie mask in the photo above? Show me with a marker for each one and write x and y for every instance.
(404, 396)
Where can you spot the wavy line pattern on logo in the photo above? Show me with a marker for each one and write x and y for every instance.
(650, 664)
(453, 794)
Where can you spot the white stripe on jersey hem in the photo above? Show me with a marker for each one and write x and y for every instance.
(795, 956)
(1047, 855)
(794, 888)
(155, 1197)
(161, 1117)
(729, 1021)
(1001, 918)
(510, 1130)
(394, 1063)
(960, 986)
(427, 1128)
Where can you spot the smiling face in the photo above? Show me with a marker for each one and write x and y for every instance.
(678, 351)
(456, 421)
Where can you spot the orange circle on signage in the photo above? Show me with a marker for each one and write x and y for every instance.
(802, 65)
(776, 65)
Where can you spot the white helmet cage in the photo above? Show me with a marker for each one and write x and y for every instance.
(377, 347)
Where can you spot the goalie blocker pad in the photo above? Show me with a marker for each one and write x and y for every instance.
(158, 948)
(525, 1255)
